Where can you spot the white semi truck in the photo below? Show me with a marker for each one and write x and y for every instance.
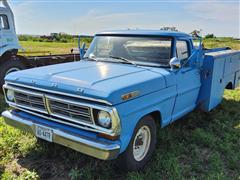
(10, 61)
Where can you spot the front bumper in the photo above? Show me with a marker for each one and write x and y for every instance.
(85, 145)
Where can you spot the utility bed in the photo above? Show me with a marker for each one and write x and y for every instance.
(221, 69)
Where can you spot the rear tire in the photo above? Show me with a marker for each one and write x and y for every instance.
(8, 67)
(141, 146)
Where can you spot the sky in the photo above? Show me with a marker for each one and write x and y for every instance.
(220, 17)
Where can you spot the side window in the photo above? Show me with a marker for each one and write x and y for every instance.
(4, 22)
(182, 50)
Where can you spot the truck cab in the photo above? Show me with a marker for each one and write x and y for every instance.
(8, 38)
(171, 53)
(9, 44)
(108, 105)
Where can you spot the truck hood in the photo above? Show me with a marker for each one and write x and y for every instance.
(100, 80)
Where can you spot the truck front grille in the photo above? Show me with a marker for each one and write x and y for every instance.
(31, 101)
(67, 111)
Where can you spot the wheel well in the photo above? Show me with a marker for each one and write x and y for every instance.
(5, 56)
(157, 117)
(229, 85)
(12, 55)
(8, 55)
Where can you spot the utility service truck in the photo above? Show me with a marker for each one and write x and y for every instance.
(10, 61)
(129, 84)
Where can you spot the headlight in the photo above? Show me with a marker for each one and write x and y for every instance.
(10, 95)
(104, 119)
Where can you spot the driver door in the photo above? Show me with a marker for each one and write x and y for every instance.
(7, 32)
(188, 82)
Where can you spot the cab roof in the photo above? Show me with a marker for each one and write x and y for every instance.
(144, 33)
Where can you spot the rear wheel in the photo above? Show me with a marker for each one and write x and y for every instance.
(141, 146)
(8, 67)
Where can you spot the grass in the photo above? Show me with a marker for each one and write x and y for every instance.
(199, 146)
(45, 48)
(222, 42)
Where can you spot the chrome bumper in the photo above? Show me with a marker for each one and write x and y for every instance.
(85, 145)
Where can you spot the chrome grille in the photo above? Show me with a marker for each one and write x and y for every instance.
(59, 108)
(32, 101)
(68, 110)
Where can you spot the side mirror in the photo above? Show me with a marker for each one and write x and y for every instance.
(83, 49)
(175, 63)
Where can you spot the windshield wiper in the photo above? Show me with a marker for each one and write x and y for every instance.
(113, 57)
(91, 58)
(123, 59)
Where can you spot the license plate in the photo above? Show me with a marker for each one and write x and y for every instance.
(44, 133)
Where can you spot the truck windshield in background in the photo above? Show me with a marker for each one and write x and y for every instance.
(141, 50)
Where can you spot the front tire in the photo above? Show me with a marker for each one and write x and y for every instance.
(141, 146)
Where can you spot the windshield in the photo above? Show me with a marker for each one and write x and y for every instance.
(141, 50)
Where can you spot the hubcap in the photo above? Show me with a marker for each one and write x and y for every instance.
(141, 143)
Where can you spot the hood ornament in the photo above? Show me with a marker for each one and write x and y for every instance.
(54, 85)
(80, 90)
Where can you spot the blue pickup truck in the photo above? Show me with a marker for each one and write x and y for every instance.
(109, 104)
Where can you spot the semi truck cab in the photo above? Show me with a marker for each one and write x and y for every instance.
(10, 60)
(8, 38)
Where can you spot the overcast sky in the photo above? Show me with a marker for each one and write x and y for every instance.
(88, 17)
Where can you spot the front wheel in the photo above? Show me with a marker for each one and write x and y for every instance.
(141, 146)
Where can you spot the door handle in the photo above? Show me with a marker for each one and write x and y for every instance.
(197, 73)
